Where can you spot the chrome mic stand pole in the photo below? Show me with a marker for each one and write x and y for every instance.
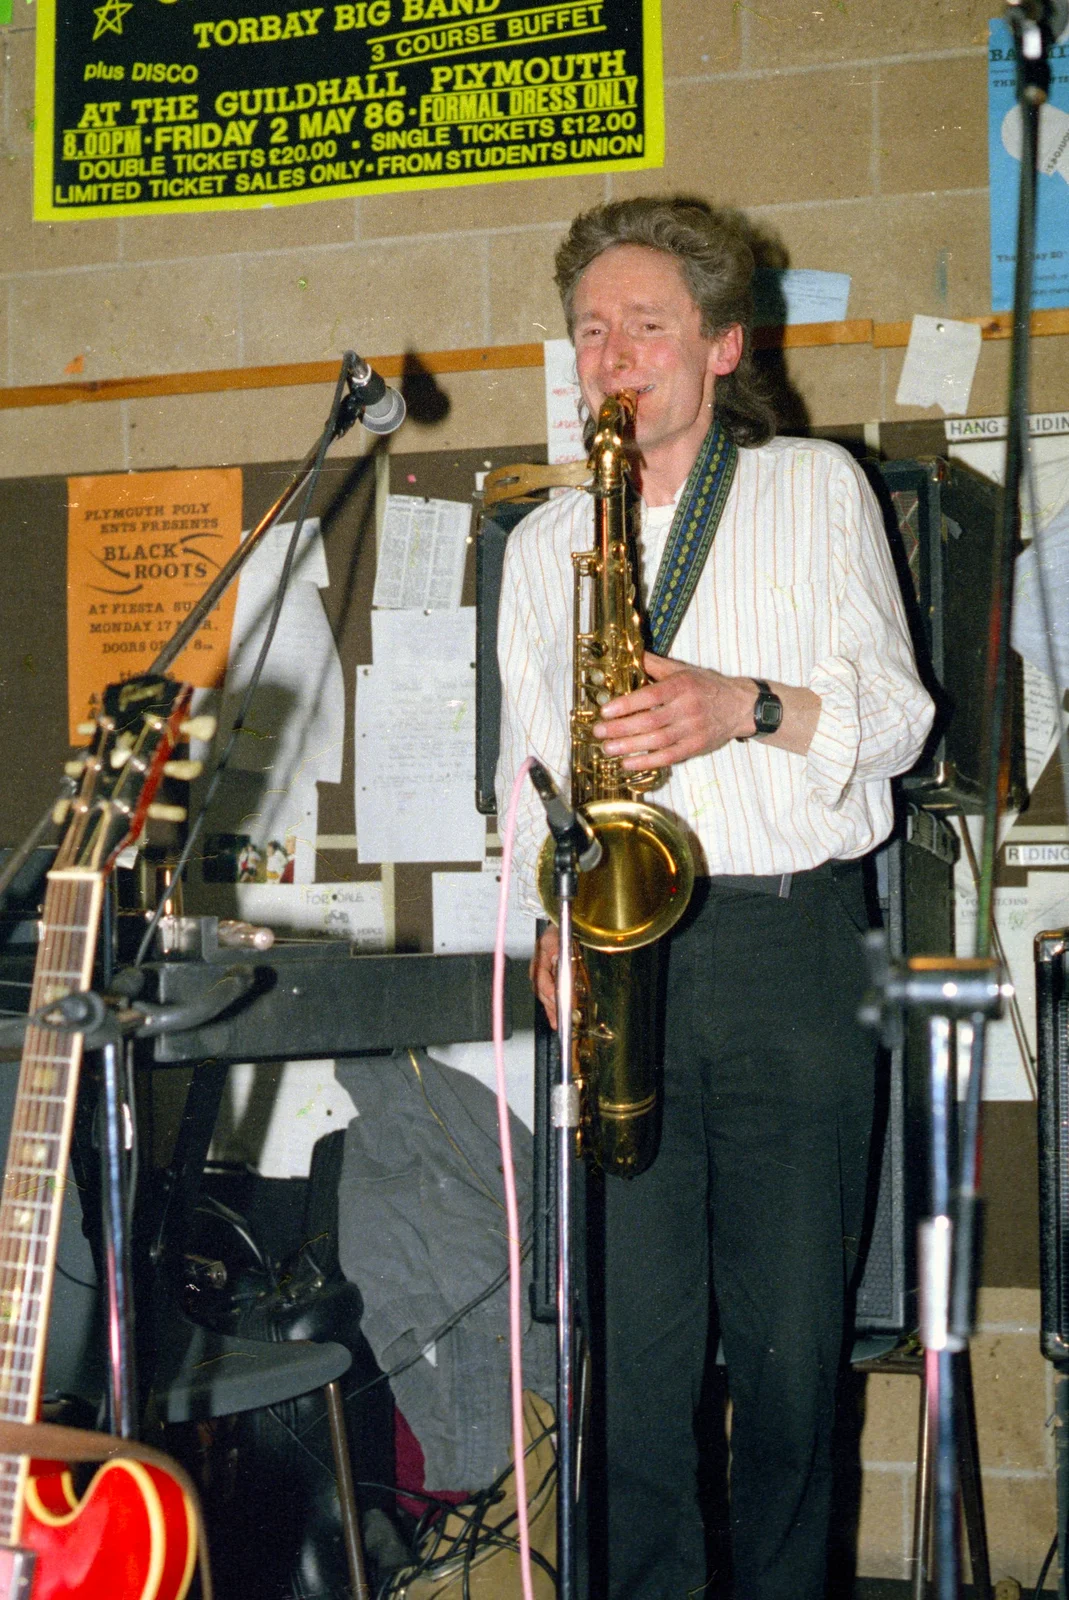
(575, 850)
(946, 991)
(564, 1117)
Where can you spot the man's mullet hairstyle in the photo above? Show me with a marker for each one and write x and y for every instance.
(711, 247)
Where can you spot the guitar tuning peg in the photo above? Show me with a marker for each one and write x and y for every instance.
(120, 756)
(74, 769)
(160, 812)
(199, 728)
(184, 770)
(86, 727)
(59, 811)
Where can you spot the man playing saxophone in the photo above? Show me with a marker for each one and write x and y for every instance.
(782, 698)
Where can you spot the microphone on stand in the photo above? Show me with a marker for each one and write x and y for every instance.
(567, 825)
(1050, 15)
(382, 409)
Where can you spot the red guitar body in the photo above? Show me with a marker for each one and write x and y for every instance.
(131, 1537)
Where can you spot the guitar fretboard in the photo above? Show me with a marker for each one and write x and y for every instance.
(36, 1171)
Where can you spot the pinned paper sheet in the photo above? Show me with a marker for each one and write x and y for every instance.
(414, 637)
(1040, 722)
(1019, 915)
(940, 364)
(465, 914)
(415, 764)
(564, 430)
(799, 294)
(1029, 635)
(422, 553)
(351, 911)
(295, 727)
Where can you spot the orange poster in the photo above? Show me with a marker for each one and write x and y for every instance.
(142, 547)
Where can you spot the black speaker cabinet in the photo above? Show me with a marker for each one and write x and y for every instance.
(941, 522)
(1052, 1036)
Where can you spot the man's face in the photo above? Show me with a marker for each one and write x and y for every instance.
(636, 327)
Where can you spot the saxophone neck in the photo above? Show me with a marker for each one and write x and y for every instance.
(608, 458)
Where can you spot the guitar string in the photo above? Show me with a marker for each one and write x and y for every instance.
(67, 927)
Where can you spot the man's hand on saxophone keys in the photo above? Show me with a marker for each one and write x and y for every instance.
(544, 971)
(687, 711)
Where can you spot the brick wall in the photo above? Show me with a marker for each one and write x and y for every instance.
(854, 130)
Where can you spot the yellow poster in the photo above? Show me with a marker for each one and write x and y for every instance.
(142, 547)
(144, 108)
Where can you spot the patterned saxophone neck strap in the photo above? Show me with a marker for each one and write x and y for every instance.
(691, 535)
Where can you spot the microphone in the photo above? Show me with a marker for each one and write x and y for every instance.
(1052, 16)
(567, 825)
(382, 408)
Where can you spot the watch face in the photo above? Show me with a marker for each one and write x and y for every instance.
(768, 713)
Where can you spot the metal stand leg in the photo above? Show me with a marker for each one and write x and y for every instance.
(123, 1383)
(565, 1118)
(922, 1501)
(343, 1470)
(972, 1495)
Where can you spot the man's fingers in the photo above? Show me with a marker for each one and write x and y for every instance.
(659, 667)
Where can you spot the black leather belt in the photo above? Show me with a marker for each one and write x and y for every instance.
(778, 884)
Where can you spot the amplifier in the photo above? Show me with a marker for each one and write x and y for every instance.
(1052, 1037)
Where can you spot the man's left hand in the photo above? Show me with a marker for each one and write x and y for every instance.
(683, 711)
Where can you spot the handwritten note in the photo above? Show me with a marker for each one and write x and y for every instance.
(415, 764)
(799, 294)
(416, 637)
(465, 914)
(564, 430)
(940, 364)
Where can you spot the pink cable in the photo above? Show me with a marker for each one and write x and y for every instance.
(511, 1207)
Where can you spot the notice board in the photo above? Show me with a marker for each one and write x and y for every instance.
(145, 108)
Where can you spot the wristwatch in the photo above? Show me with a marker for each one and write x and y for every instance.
(767, 712)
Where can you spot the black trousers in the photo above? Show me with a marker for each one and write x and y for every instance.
(761, 1175)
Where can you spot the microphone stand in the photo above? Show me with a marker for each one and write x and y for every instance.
(946, 991)
(564, 1118)
(345, 410)
(575, 850)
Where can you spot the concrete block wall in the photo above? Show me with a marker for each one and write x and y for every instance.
(1014, 1389)
(853, 130)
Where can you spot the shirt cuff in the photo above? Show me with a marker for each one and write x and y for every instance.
(832, 755)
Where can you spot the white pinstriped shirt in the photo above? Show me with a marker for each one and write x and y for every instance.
(799, 587)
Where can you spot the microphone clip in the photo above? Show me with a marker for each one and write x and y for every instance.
(569, 827)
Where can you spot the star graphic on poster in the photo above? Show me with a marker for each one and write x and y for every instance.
(109, 16)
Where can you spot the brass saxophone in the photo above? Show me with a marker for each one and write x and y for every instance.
(643, 882)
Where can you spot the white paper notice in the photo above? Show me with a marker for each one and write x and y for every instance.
(940, 364)
(415, 764)
(1029, 636)
(1049, 460)
(1019, 915)
(422, 553)
(564, 430)
(465, 914)
(293, 733)
(413, 637)
(794, 294)
(1040, 726)
(350, 911)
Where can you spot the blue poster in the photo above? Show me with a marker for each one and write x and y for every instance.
(1051, 287)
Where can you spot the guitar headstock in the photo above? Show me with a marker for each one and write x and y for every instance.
(140, 723)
